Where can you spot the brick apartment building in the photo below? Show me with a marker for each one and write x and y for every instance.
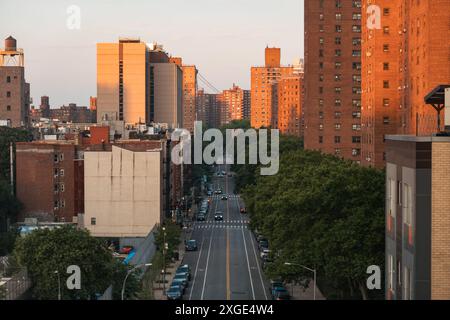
(332, 114)
(14, 90)
(289, 105)
(262, 82)
(234, 102)
(404, 58)
(49, 180)
(189, 93)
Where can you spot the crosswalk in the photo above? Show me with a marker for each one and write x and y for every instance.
(230, 196)
(230, 224)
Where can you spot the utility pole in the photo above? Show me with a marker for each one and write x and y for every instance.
(11, 164)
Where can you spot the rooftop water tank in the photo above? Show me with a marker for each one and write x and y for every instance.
(10, 44)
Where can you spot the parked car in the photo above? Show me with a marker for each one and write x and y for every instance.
(280, 293)
(183, 277)
(184, 268)
(265, 254)
(191, 245)
(209, 193)
(243, 210)
(175, 293)
(126, 249)
(218, 216)
(179, 282)
(263, 244)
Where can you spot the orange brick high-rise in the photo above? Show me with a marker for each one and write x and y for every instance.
(332, 114)
(262, 81)
(189, 93)
(404, 58)
(289, 105)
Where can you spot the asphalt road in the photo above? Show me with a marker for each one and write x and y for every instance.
(227, 264)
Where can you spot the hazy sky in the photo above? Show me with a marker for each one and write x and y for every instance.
(224, 38)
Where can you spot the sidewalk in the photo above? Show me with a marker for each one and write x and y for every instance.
(299, 293)
(158, 292)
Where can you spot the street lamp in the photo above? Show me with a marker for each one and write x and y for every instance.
(164, 259)
(309, 269)
(59, 284)
(130, 272)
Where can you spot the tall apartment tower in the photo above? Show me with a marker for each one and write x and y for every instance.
(404, 57)
(262, 82)
(247, 104)
(233, 104)
(289, 105)
(14, 90)
(189, 93)
(332, 109)
(123, 86)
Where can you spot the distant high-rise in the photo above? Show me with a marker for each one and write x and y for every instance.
(123, 86)
(233, 104)
(332, 108)
(14, 90)
(246, 106)
(45, 106)
(189, 93)
(262, 81)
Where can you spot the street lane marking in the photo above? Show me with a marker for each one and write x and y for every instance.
(196, 268)
(256, 258)
(228, 247)
(207, 259)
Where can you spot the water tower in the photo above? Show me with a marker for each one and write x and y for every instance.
(10, 55)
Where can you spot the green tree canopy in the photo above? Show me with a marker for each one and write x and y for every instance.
(45, 251)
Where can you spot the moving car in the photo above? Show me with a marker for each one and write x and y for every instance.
(210, 193)
(201, 217)
(218, 216)
(224, 198)
(175, 293)
(191, 245)
(218, 191)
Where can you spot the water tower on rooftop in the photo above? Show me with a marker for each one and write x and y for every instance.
(10, 55)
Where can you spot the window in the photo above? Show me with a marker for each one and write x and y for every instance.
(55, 188)
(337, 139)
(338, 16)
(356, 139)
(356, 127)
(337, 77)
(337, 40)
(386, 66)
(320, 139)
(356, 53)
(321, 126)
(386, 102)
(386, 30)
(337, 65)
(385, 47)
(356, 65)
(337, 102)
(55, 173)
(337, 151)
(338, 28)
(61, 157)
(356, 29)
(337, 89)
(8, 108)
(93, 221)
(356, 152)
(407, 292)
(356, 103)
(8, 94)
(55, 205)
(386, 84)
(337, 52)
(337, 126)
(337, 115)
(62, 187)
(356, 114)
(8, 79)
(407, 205)
(55, 158)
(391, 271)
(386, 11)
(61, 172)
(386, 120)
(356, 41)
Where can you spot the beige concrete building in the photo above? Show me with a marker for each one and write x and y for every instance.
(123, 89)
(124, 190)
(167, 81)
